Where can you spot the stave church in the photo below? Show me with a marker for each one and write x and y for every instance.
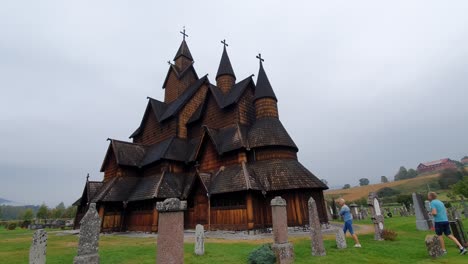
(220, 146)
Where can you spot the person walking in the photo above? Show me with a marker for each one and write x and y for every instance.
(345, 212)
(439, 212)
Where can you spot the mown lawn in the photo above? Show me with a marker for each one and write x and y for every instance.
(408, 248)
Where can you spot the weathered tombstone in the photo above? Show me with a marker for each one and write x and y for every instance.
(315, 230)
(354, 211)
(170, 249)
(335, 212)
(377, 217)
(422, 218)
(329, 211)
(465, 207)
(88, 245)
(459, 231)
(340, 239)
(433, 246)
(283, 250)
(37, 252)
(199, 240)
(427, 205)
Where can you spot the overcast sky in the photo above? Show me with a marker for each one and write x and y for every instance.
(363, 86)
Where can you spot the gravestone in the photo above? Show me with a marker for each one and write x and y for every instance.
(88, 244)
(422, 217)
(427, 205)
(315, 230)
(465, 207)
(354, 211)
(340, 239)
(199, 240)
(334, 211)
(329, 211)
(170, 245)
(377, 217)
(459, 231)
(37, 252)
(434, 249)
(283, 250)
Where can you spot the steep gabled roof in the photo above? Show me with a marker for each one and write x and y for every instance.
(235, 93)
(228, 138)
(179, 73)
(263, 88)
(225, 67)
(183, 51)
(125, 153)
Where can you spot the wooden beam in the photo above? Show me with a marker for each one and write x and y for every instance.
(250, 217)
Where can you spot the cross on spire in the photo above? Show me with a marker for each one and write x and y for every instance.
(259, 57)
(87, 177)
(224, 43)
(183, 33)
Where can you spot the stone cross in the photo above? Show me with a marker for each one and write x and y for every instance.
(377, 217)
(433, 246)
(88, 245)
(283, 250)
(315, 230)
(199, 240)
(340, 239)
(37, 252)
(170, 248)
(422, 218)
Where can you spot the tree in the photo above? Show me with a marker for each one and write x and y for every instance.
(346, 186)
(43, 212)
(401, 174)
(324, 181)
(58, 211)
(70, 212)
(383, 179)
(411, 174)
(28, 215)
(363, 181)
(449, 177)
(405, 199)
(461, 187)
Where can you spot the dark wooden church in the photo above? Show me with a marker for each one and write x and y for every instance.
(220, 147)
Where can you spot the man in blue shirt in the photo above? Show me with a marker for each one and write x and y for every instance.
(345, 212)
(441, 222)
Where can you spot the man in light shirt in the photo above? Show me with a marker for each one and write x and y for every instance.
(348, 219)
(441, 222)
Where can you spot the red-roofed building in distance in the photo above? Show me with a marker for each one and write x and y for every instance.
(437, 165)
(464, 161)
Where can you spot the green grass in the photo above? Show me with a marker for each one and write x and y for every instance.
(408, 248)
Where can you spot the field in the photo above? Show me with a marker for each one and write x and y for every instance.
(418, 184)
(408, 248)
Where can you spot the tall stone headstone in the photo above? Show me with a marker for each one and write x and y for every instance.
(377, 216)
(422, 217)
(37, 252)
(459, 231)
(340, 239)
(354, 211)
(283, 250)
(315, 230)
(88, 244)
(434, 249)
(170, 249)
(199, 240)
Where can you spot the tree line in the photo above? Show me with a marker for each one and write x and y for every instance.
(29, 212)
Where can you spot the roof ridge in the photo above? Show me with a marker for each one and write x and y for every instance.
(246, 175)
(158, 185)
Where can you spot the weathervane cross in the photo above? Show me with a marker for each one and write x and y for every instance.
(183, 33)
(224, 43)
(259, 57)
(87, 177)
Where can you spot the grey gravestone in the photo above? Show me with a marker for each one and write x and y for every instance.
(335, 212)
(433, 246)
(465, 208)
(37, 252)
(422, 218)
(340, 239)
(88, 244)
(199, 240)
(377, 217)
(315, 230)
(459, 232)
(354, 211)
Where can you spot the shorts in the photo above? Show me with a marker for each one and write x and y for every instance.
(442, 227)
(348, 226)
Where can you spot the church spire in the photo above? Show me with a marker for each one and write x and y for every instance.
(225, 78)
(263, 88)
(183, 57)
(225, 67)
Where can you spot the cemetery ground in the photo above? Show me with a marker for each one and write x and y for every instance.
(409, 247)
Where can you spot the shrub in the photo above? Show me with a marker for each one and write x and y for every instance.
(387, 192)
(389, 235)
(262, 255)
(25, 224)
(11, 226)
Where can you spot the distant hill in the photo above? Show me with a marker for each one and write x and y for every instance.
(418, 184)
(5, 201)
